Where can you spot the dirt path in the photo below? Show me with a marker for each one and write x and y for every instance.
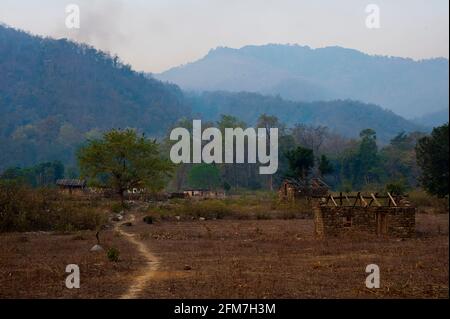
(145, 274)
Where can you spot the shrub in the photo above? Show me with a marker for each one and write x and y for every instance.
(25, 209)
(396, 188)
(148, 219)
(288, 215)
(113, 254)
(209, 209)
(118, 207)
(422, 199)
(261, 216)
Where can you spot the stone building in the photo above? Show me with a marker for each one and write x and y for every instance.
(394, 217)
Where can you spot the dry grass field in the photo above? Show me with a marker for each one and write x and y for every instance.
(233, 257)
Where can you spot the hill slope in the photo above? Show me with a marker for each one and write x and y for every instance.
(347, 117)
(433, 119)
(54, 94)
(409, 88)
(54, 91)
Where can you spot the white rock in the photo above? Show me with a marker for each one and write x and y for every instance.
(96, 248)
(202, 218)
(177, 217)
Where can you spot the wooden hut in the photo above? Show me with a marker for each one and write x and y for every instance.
(294, 188)
(71, 186)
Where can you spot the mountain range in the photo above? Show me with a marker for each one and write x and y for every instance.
(407, 87)
(433, 119)
(55, 94)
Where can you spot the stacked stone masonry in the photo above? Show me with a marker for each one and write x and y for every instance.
(391, 221)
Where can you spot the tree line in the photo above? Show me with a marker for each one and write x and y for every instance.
(124, 159)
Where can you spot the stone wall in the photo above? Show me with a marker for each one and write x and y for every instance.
(402, 221)
(392, 221)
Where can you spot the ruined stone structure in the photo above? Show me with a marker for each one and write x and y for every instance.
(390, 219)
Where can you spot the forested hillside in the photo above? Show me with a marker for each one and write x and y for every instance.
(55, 93)
(347, 118)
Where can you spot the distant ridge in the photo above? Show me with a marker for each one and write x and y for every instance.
(409, 88)
(433, 119)
(344, 117)
(55, 94)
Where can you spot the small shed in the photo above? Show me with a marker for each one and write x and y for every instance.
(71, 185)
(294, 188)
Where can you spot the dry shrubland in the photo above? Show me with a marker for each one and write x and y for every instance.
(26, 209)
(428, 203)
(244, 248)
(234, 207)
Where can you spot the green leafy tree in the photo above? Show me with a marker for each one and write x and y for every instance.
(123, 160)
(398, 159)
(360, 163)
(301, 161)
(325, 166)
(368, 155)
(204, 176)
(267, 122)
(44, 174)
(232, 173)
(226, 187)
(229, 121)
(396, 187)
(432, 157)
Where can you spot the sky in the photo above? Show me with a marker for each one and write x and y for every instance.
(155, 35)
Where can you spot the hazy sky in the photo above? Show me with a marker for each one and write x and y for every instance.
(154, 35)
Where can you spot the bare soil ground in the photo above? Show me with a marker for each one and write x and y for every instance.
(228, 259)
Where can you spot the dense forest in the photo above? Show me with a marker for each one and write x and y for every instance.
(56, 93)
(344, 163)
(346, 118)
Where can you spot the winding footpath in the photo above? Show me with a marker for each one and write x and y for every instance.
(146, 274)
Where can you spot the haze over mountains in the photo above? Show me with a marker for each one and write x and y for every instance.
(55, 93)
(433, 119)
(407, 87)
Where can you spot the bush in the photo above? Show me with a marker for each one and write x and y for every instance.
(208, 209)
(148, 219)
(396, 188)
(421, 199)
(118, 207)
(25, 209)
(113, 254)
(262, 216)
(288, 215)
